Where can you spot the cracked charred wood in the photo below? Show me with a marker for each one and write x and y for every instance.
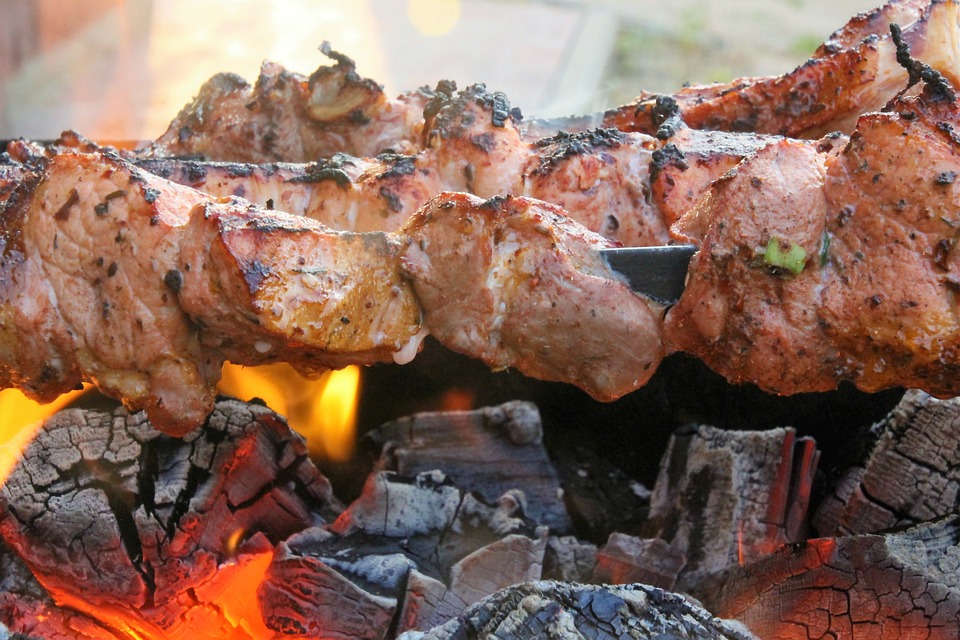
(489, 451)
(625, 559)
(909, 472)
(562, 611)
(898, 585)
(722, 497)
(150, 533)
(410, 553)
(28, 612)
(567, 559)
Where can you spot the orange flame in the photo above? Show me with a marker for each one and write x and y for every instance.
(20, 417)
(224, 607)
(323, 410)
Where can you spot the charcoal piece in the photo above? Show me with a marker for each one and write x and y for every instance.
(625, 559)
(27, 612)
(909, 474)
(568, 559)
(121, 522)
(410, 553)
(600, 497)
(725, 497)
(489, 451)
(903, 585)
(562, 611)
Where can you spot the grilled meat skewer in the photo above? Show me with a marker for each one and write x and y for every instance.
(818, 264)
(116, 276)
(288, 117)
(628, 187)
(820, 267)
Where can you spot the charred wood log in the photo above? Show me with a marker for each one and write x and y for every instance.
(28, 612)
(490, 451)
(126, 524)
(723, 497)
(902, 585)
(625, 559)
(408, 554)
(568, 559)
(560, 611)
(600, 497)
(910, 472)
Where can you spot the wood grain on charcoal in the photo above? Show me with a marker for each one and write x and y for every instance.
(903, 585)
(909, 474)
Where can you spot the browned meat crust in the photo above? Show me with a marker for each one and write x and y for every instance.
(853, 72)
(820, 267)
(288, 117)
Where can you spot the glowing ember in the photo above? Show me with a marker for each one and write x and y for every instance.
(323, 410)
(226, 607)
(19, 418)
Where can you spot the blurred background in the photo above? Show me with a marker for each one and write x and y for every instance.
(121, 69)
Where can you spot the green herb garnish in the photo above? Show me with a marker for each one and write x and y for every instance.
(785, 255)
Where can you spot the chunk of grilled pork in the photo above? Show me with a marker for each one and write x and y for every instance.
(285, 116)
(855, 71)
(818, 267)
(517, 283)
(113, 275)
(144, 287)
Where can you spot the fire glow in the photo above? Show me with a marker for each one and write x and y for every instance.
(323, 410)
(20, 418)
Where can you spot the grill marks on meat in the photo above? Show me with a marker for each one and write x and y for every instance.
(875, 302)
(288, 117)
(516, 283)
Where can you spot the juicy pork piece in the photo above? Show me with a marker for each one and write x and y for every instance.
(266, 286)
(101, 263)
(288, 117)
(854, 72)
(144, 287)
(516, 283)
(86, 244)
(820, 267)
